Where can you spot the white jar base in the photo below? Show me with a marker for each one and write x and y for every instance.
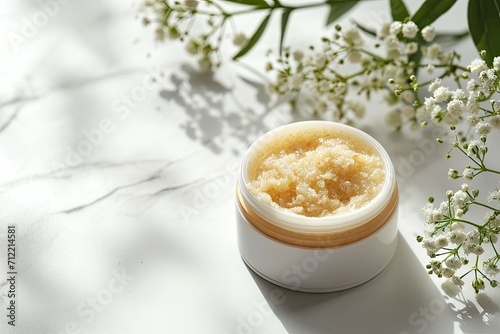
(319, 270)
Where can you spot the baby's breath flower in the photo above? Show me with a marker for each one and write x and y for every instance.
(437, 114)
(477, 66)
(430, 68)
(455, 108)
(459, 213)
(320, 61)
(445, 58)
(472, 85)
(395, 28)
(442, 94)
(383, 30)
(411, 48)
(393, 119)
(459, 94)
(428, 33)
(472, 120)
(477, 250)
(453, 263)
(468, 174)
(409, 29)
(354, 57)
(442, 241)
(298, 55)
(357, 108)
(432, 51)
(483, 129)
(295, 81)
(239, 39)
(408, 111)
(473, 147)
(496, 63)
(430, 245)
(488, 78)
(352, 36)
(490, 267)
(434, 85)
(457, 237)
(493, 195)
(191, 4)
(422, 113)
(429, 103)
(459, 199)
(408, 97)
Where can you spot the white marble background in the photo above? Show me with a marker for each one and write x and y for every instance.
(117, 167)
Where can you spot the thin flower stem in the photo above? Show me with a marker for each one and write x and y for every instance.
(466, 222)
(461, 150)
(494, 248)
(467, 273)
(483, 205)
(491, 170)
(355, 74)
(371, 54)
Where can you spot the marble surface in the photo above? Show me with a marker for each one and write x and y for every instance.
(117, 167)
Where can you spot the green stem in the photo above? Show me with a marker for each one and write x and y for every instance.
(355, 74)
(490, 170)
(278, 5)
(494, 248)
(483, 205)
(466, 222)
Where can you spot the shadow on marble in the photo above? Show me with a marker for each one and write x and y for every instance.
(402, 299)
(214, 110)
(476, 317)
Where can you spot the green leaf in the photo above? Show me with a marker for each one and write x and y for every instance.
(399, 11)
(445, 38)
(365, 29)
(284, 23)
(254, 39)
(484, 22)
(430, 11)
(257, 3)
(339, 8)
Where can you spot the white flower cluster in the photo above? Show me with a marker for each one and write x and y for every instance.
(449, 243)
(174, 21)
(400, 40)
(314, 86)
(452, 106)
(318, 88)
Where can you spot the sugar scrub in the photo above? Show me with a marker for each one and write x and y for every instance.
(316, 173)
(319, 199)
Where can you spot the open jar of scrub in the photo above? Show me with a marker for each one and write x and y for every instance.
(317, 207)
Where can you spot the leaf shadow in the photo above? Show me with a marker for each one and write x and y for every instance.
(213, 110)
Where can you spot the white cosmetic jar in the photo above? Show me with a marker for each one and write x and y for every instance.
(317, 254)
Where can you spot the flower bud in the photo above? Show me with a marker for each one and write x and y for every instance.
(478, 285)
